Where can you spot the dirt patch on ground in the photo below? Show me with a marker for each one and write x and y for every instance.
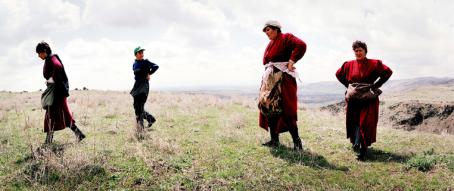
(413, 115)
(336, 108)
(430, 117)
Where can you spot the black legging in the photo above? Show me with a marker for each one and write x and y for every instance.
(272, 123)
(139, 107)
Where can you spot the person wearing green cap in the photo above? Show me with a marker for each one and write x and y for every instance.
(142, 70)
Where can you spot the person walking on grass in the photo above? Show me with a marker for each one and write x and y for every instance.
(142, 70)
(58, 116)
(278, 93)
(362, 77)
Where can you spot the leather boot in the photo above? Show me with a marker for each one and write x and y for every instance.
(140, 126)
(362, 154)
(297, 144)
(150, 119)
(49, 137)
(274, 142)
(80, 136)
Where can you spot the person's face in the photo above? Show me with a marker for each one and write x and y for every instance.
(139, 55)
(42, 55)
(360, 53)
(271, 33)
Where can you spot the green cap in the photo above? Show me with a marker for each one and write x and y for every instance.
(138, 49)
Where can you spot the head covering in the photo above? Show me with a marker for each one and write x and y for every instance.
(138, 49)
(273, 23)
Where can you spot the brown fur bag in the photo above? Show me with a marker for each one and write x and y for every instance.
(361, 92)
(270, 98)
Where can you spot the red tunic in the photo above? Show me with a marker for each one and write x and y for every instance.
(282, 49)
(58, 116)
(364, 115)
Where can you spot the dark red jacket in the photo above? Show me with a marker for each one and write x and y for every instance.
(284, 48)
(58, 116)
(365, 114)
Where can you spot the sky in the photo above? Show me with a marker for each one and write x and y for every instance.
(217, 43)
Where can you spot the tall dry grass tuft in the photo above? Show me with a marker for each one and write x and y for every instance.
(3, 116)
(199, 141)
(58, 163)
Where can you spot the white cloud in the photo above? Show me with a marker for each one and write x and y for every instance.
(200, 42)
(21, 19)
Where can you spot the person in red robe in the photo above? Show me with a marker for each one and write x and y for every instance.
(362, 116)
(58, 116)
(283, 47)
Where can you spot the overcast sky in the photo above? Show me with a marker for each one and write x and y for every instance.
(217, 43)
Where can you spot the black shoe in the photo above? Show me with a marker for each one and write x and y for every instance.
(80, 136)
(271, 143)
(49, 138)
(140, 125)
(356, 147)
(297, 145)
(362, 154)
(151, 120)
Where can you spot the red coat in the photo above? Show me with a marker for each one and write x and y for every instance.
(284, 48)
(364, 115)
(58, 116)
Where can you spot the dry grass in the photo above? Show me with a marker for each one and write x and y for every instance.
(201, 142)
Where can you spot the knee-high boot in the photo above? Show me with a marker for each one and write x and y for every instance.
(80, 136)
(49, 137)
(297, 143)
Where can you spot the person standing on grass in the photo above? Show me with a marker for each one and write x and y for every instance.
(142, 70)
(278, 93)
(58, 116)
(362, 106)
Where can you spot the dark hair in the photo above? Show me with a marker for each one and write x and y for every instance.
(43, 47)
(274, 28)
(359, 44)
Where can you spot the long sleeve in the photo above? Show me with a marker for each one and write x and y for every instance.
(341, 75)
(153, 67)
(48, 69)
(384, 73)
(299, 47)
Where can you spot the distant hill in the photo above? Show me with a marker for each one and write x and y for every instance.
(411, 84)
(321, 93)
(328, 92)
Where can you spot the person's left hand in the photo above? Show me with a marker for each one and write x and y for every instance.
(290, 66)
(148, 77)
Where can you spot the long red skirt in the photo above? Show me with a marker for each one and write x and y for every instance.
(289, 115)
(58, 116)
(364, 116)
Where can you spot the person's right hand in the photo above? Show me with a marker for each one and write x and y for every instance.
(148, 77)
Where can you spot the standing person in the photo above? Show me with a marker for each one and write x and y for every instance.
(362, 114)
(58, 116)
(282, 52)
(142, 70)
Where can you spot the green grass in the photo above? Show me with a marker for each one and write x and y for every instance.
(203, 142)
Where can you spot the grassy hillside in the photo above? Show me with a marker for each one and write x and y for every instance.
(204, 142)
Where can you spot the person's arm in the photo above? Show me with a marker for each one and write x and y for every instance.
(298, 50)
(153, 67)
(384, 72)
(48, 69)
(341, 75)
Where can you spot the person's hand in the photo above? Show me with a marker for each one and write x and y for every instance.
(375, 86)
(290, 66)
(148, 77)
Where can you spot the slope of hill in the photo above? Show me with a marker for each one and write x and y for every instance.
(206, 142)
(427, 108)
(329, 92)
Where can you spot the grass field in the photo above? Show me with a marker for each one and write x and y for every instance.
(205, 142)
